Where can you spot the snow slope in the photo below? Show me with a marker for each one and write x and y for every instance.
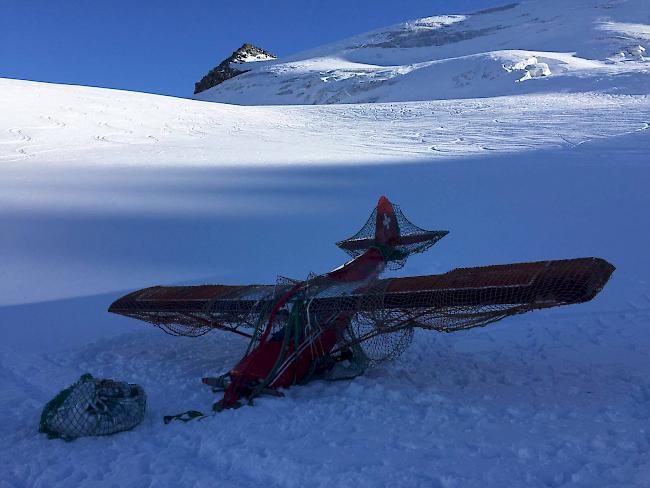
(105, 191)
(575, 46)
(81, 153)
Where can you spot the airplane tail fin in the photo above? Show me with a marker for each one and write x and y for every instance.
(391, 232)
(386, 225)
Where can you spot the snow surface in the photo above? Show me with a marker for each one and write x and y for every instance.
(105, 191)
(76, 156)
(253, 58)
(463, 56)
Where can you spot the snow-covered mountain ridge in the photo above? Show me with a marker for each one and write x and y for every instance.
(551, 45)
(246, 53)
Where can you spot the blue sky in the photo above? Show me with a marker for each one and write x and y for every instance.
(165, 46)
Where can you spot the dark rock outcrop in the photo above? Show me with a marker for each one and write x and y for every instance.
(224, 71)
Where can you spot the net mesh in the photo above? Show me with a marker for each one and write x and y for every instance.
(370, 320)
(372, 327)
(333, 326)
(412, 239)
(379, 315)
(93, 407)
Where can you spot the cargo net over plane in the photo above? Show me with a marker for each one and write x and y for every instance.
(338, 324)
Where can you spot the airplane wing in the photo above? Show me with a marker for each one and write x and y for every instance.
(459, 299)
(195, 310)
(470, 297)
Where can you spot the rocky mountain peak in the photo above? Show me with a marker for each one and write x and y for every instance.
(247, 53)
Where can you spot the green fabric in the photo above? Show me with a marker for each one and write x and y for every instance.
(53, 405)
(389, 253)
(283, 349)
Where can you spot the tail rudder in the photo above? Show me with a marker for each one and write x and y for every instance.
(387, 230)
(390, 231)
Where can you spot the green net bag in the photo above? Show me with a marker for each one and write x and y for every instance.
(93, 407)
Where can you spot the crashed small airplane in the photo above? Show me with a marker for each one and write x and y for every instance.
(338, 324)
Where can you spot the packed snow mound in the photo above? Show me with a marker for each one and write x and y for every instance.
(530, 67)
(631, 53)
(578, 47)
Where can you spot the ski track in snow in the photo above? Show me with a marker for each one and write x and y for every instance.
(344, 133)
(21, 132)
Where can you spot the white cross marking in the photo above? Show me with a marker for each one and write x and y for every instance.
(386, 221)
